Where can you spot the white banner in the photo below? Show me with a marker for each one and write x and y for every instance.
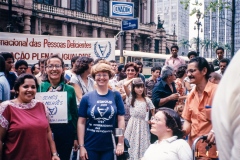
(32, 47)
(56, 103)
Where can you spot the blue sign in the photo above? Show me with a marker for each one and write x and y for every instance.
(121, 9)
(130, 24)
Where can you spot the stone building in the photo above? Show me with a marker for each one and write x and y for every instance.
(84, 18)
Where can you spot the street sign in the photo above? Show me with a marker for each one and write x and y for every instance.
(130, 24)
(121, 9)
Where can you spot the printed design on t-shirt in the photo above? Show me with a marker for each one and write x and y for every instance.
(102, 110)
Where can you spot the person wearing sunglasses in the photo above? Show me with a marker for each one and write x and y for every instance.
(131, 71)
(166, 125)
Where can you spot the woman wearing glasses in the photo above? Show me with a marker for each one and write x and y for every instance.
(65, 134)
(166, 125)
(98, 112)
(131, 71)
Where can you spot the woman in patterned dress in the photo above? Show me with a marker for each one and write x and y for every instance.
(137, 131)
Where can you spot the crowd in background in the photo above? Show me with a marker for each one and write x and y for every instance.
(156, 113)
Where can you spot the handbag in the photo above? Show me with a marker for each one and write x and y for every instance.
(125, 154)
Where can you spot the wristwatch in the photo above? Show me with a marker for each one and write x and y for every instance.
(55, 154)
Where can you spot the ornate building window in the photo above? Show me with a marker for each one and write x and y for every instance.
(77, 5)
(49, 2)
(103, 7)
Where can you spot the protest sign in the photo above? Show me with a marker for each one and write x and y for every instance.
(32, 47)
(56, 103)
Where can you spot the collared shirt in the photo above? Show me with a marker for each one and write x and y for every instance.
(169, 149)
(149, 86)
(219, 72)
(226, 112)
(162, 90)
(175, 62)
(4, 88)
(195, 113)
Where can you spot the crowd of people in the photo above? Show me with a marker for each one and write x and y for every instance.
(160, 116)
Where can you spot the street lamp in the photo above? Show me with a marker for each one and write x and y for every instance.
(198, 23)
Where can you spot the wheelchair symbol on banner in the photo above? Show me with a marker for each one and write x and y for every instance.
(102, 51)
(52, 111)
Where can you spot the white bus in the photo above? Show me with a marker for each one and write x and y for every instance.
(149, 60)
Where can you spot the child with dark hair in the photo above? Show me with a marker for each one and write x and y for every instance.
(137, 131)
(21, 67)
(166, 125)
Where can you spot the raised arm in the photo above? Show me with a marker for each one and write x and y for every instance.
(125, 86)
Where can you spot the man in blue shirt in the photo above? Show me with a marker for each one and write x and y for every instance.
(4, 86)
(11, 76)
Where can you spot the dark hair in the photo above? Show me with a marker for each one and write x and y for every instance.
(120, 67)
(173, 121)
(137, 82)
(97, 60)
(201, 64)
(73, 60)
(20, 63)
(212, 67)
(2, 64)
(82, 64)
(112, 61)
(192, 53)
(20, 80)
(45, 76)
(219, 48)
(33, 68)
(131, 64)
(181, 71)
(174, 46)
(224, 60)
(42, 61)
(121, 76)
(7, 55)
(138, 63)
(153, 69)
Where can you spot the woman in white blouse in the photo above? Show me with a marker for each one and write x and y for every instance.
(166, 125)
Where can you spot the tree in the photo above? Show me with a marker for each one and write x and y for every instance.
(227, 47)
(184, 43)
(220, 5)
(206, 43)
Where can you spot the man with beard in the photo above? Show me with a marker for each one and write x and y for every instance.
(174, 61)
(197, 109)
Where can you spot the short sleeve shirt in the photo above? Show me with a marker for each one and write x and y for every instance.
(101, 112)
(175, 62)
(195, 113)
(78, 80)
(4, 88)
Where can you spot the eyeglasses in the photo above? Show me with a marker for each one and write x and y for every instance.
(101, 75)
(155, 119)
(57, 66)
(132, 70)
(191, 70)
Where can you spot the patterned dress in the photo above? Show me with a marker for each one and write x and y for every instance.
(137, 131)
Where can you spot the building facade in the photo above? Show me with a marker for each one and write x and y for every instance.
(84, 18)
(217, 29)
(176, 18)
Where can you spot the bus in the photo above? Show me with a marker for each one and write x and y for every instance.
(149, 60)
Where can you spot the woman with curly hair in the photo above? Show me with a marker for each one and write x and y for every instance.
(98, 113)
(81, 82)
(166, 125)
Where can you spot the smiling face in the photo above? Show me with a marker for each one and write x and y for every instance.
(131, 72)
(139, 90)
(102, 78)
(194, 74)
(54, 69)
(27, 91)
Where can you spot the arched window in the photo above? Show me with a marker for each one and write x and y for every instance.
(103, 7)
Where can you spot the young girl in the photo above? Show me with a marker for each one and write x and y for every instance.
(137, 131)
